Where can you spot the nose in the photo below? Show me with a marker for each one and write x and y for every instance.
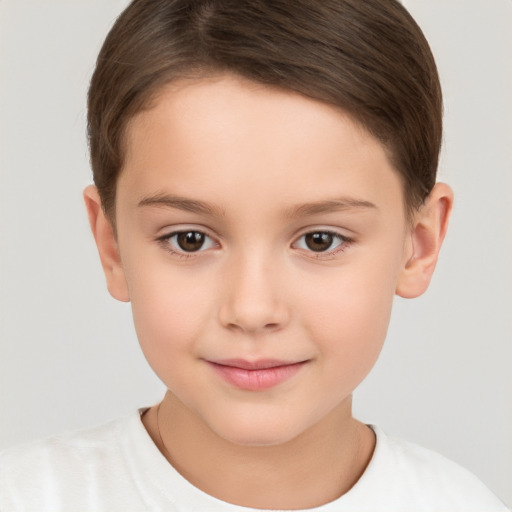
(253, 298)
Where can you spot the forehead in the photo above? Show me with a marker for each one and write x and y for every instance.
(224, 136)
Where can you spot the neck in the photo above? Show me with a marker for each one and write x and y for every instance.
(314, 468)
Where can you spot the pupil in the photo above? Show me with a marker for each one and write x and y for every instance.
(318, 242)
(190, 241)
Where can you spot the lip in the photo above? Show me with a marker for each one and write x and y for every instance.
(255, 375)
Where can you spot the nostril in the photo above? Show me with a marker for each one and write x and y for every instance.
(234, 327)
(249, 328)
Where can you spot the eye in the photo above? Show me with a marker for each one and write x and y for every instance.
(320, 241)
(189, 241)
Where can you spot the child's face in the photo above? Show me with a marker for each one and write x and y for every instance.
(296, 241)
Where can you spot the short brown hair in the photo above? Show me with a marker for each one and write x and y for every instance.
(368, 57)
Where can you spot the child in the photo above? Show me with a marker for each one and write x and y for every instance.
(265, 184)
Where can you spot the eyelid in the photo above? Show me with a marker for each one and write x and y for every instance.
(164, 240)
(345, 242)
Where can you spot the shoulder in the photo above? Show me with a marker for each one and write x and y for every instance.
(68, 448)
(416, 475)
(65, 468)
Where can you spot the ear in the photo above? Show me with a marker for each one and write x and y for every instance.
(424, 242)
(106, 242)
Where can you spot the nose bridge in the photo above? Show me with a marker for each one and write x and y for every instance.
(253, 299)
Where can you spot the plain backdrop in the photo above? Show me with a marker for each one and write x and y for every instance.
(69, 356)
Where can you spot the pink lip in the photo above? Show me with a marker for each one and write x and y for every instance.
(255, 375)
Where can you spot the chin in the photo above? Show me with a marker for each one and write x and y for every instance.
(257, 431)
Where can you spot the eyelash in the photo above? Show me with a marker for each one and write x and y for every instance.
(165, 243)
(344, 243)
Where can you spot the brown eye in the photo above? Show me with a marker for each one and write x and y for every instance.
(322, 242)
(187, 242)
(319, 242)
(190, 241)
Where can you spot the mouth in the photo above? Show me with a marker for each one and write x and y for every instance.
(255, 375)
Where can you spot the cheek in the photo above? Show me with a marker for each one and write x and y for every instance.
(349, 317)
(168, 314)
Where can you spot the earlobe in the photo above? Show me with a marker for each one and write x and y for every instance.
(424, 242)
(107, 245)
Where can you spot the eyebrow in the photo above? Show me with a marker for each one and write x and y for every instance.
(307, 209)
(330, 205)
(181, 203)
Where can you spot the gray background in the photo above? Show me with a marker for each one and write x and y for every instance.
(69, 356)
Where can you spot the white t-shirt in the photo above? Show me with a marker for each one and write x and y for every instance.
(117, 467)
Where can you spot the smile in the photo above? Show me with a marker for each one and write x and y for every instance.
(255, 376)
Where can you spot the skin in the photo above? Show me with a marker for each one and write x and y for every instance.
(256, 156)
